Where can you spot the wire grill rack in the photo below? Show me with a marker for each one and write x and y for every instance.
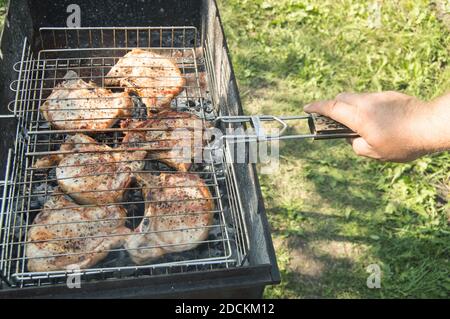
(91, 53)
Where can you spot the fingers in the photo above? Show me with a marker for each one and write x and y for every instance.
(362, 148)
(349, 140)
(337, 110)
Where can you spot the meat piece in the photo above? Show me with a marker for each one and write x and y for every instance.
(75, 104)
(174, 138)
(155, 78)
(65, 234)
(178, 212)
(92, 173)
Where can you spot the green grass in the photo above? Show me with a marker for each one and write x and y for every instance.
(333, 214)
(2, 12)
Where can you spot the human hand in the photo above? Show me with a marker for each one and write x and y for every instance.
(392, 126)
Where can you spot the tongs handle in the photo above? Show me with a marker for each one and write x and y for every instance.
(321, 127)
(324, 127)
(7, 116)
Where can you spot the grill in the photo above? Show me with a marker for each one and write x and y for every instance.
(227, 244)
(235, 259)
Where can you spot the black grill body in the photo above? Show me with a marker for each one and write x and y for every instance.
(24, 20)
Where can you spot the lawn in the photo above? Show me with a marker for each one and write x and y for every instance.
(2, 12)
(333, 214)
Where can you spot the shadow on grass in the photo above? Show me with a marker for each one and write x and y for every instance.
(338, 176)
(414, 264)
(411, 267)
(414, 261)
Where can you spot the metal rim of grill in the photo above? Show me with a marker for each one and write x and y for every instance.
(91, 52)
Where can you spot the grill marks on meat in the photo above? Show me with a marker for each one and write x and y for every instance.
(173, 138)
(75, 104)
(155, 78)
(179, 206)
(178, 212)
(65, 234)
(92, 173)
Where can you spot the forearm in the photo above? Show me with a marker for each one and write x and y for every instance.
(438, 131)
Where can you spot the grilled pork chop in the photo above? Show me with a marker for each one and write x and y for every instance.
(75, 104)
(155, 78)
(178, 212)
(92, 173)
(65, 234)
(171, 137)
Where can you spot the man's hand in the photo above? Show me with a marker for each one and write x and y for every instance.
(393, 126)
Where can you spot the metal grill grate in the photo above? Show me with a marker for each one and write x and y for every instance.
(91, 53)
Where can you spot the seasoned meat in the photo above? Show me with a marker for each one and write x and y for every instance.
(174, 138)
(155, 78)
(75, 104)
(178, 212)
(92, 173)
(65, 234)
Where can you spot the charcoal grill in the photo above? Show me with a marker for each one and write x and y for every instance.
(237, 259)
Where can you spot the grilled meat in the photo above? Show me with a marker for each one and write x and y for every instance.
(65, 234)
(155, 78)
(174, 138)
(92, 173)
(178, 212)
(75, 104)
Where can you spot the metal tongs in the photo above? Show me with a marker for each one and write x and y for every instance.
(321, 127)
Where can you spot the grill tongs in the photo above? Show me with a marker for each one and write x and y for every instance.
(321, 127)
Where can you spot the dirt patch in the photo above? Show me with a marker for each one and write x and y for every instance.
(442, 9)
(301, 259)
(306, 257)
(339, 249)
(305, 262)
